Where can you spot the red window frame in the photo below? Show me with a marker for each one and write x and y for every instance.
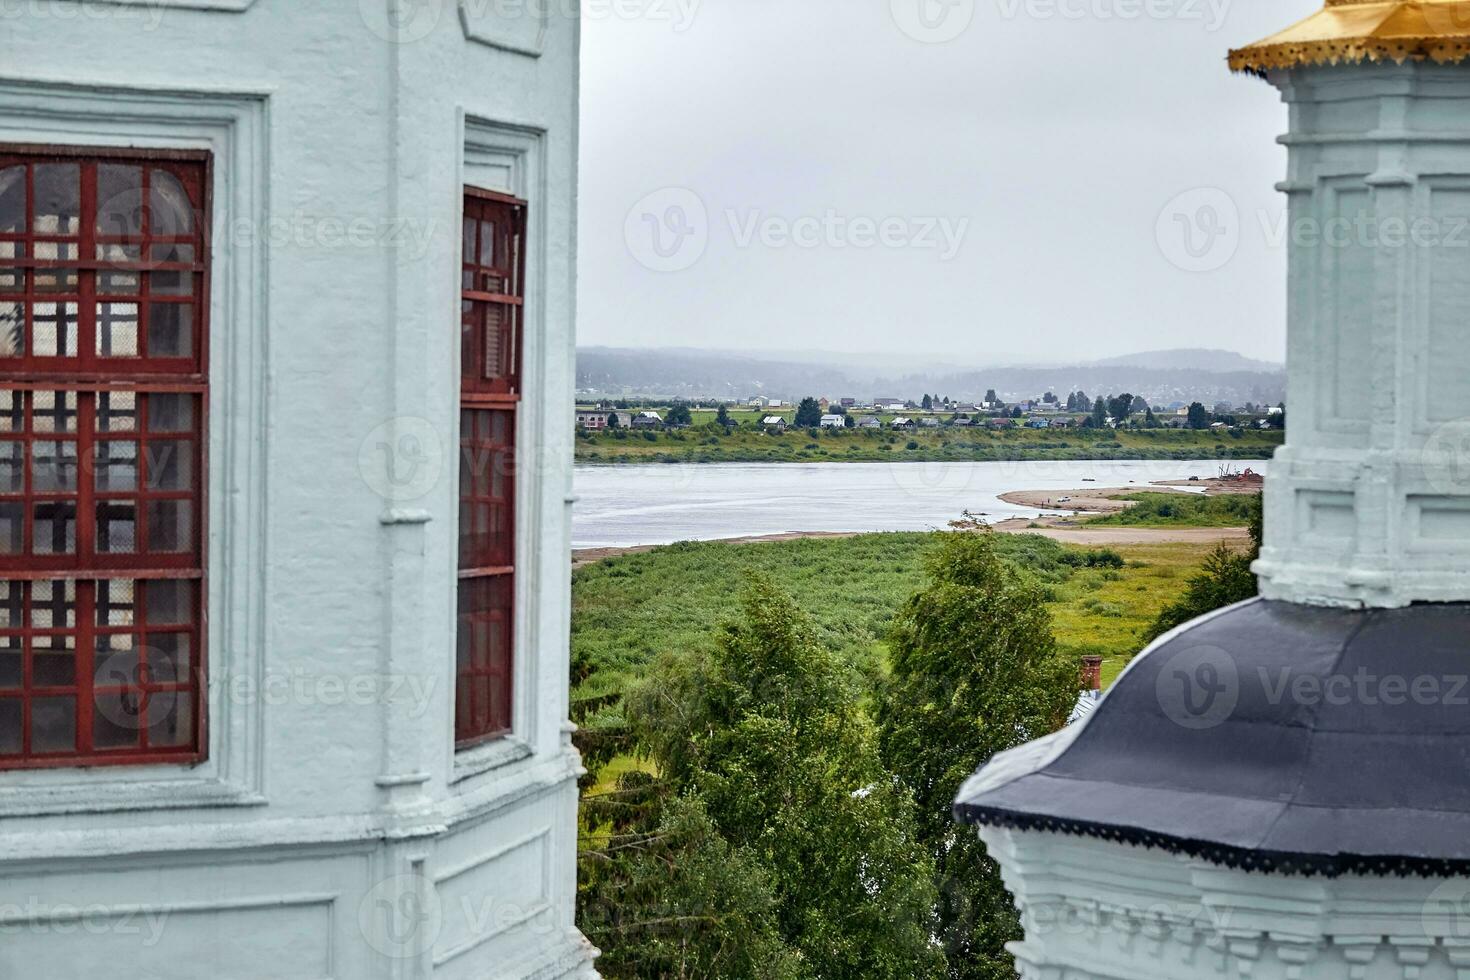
(492, 305)
(104, 299)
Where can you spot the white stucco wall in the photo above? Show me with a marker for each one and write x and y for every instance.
(1096, 910)
(333, 832)
(1369, 501)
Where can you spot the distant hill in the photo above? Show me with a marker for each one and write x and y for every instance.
(1191, 359)
(1163, 377)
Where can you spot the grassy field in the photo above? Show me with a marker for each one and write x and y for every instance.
(628, 609)
(1179, 510)
(711, 444)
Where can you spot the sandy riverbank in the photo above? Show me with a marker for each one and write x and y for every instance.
(1085, 502)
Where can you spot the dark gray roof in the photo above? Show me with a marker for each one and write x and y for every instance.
(1272, 736)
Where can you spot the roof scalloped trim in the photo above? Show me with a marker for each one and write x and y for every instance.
(1265, 862)
(1355, 31)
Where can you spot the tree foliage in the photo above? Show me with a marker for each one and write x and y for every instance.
(975, 671)
(772, 842)
(1225, 580)
(679, 414)
(808, 413)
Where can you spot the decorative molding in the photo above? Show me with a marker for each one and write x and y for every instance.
(1094, 911)
(233, 128)
(499, 26)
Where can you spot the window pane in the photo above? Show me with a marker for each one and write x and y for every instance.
(168, 657)
(115, 602)
(12, 330)
(54, 329)
(170, 413)
(168, 204)
(55, 528)
(115, 663)
(10, 726)
(12, 467)
(58, 199)
(116, 466)
(11, 672)
(117, 411)
(54, 605)
(53, 725)
(170, 330)
(170, 525)
(117, 329)
(54, 661)
(12, 528)
(54, 411)
(13, 200)
(119, 200)
(170, 718)
(12, 605)
(170, 602)
(117, 527)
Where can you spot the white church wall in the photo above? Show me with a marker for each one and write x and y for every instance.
(333, 830)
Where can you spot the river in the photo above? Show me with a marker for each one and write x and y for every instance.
(625, 506)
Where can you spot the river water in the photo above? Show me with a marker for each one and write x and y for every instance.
(623, 506)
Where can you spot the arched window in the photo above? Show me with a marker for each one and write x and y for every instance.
(104, 293)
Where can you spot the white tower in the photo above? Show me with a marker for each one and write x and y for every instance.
(286, 373)
(1279, 790)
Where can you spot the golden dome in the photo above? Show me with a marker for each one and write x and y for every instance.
(1347, 31)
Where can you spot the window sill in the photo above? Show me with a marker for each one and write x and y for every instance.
(481, 759)
(53, 792)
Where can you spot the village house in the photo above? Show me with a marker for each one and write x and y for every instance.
(774, 423)
(592, 421)
(902, 422)
(928, 422)
(869, 422)
(834, 421)
(648, 420)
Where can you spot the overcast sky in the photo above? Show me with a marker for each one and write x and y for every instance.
(993, 180)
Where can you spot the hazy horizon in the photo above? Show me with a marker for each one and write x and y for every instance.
(761, 176)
